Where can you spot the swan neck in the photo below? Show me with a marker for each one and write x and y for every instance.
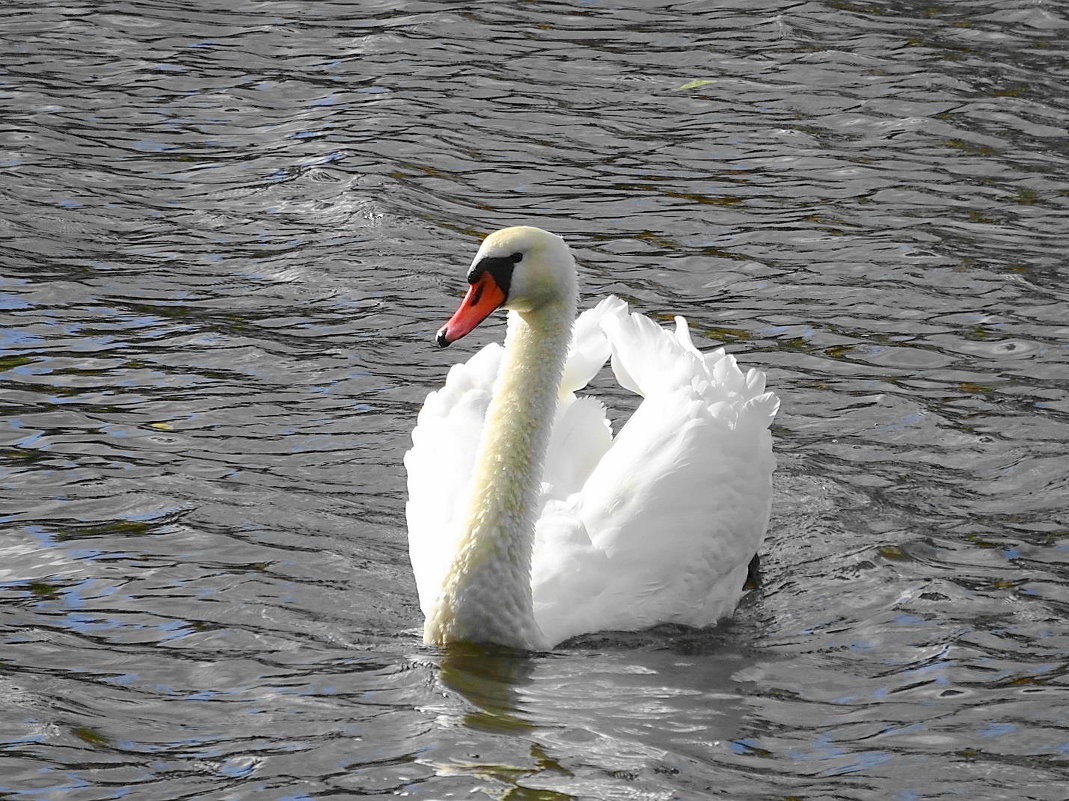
(486, 595)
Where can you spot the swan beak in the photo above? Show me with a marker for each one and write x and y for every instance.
(484, 295)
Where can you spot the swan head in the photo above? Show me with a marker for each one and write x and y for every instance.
(522, 269)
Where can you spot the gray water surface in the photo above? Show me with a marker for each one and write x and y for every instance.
(228, 232)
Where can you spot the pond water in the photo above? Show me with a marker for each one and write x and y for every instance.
(228, 232)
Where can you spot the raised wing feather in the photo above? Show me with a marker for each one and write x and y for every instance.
(665, 525)
(590, 347)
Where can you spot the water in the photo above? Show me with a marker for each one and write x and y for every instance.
(228, 233)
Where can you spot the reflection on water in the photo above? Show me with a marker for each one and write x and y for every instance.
(491, 679)
(490, 683)
(227, 235)
(609, 713)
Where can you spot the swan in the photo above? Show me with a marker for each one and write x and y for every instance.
(529, 522)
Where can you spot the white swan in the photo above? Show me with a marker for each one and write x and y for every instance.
(528, 522)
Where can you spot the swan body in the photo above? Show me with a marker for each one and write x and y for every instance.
(529, 522)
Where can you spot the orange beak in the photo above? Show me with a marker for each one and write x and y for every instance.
(484, 295)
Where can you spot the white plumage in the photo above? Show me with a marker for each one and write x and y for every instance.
(654, 525)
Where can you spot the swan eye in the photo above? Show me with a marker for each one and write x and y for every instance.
(516, 258)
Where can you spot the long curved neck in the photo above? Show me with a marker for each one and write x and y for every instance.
(486, 595)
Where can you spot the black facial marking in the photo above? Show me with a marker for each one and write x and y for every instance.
(500, 267)
(476, 295)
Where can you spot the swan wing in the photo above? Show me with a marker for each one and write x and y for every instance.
(589, 349)
(440, 466)
(581, 430)
(664, 526)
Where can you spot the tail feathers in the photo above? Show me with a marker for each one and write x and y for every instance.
(755, 382)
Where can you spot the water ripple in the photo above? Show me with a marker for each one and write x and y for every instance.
(228, 235)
